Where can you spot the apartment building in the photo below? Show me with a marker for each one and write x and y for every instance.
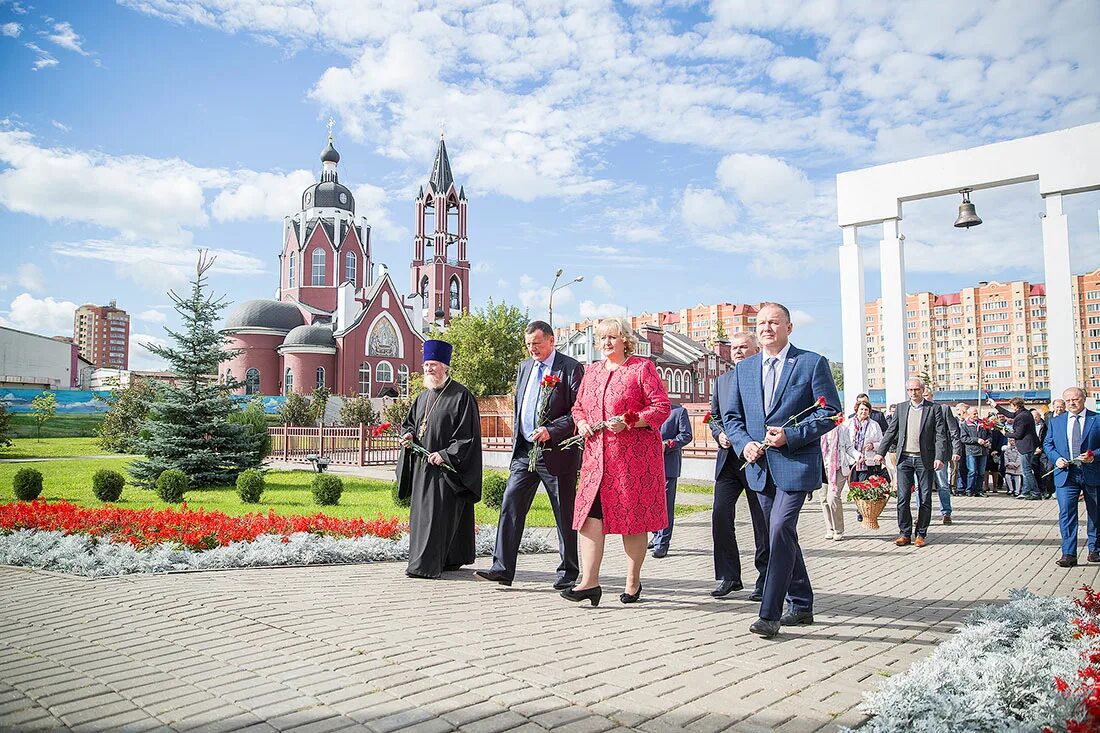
(102, 335)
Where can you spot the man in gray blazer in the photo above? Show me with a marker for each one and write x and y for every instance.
(919, 436)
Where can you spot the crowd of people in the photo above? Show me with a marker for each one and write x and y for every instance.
(606, 444)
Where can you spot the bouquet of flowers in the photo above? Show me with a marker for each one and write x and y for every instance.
(992, 423)
(836, 419)
(546, 386)
(1086, 456)
(577, 441)
(379, 430)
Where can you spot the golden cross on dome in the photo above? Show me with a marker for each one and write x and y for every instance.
(331, 122)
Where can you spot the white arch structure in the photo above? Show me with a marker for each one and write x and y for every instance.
(1063, 162)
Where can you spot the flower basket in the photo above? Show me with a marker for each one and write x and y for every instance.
(871, 509)
(871, 497)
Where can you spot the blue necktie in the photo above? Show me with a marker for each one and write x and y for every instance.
(1075, 437)
(769, 384)
(535, 392)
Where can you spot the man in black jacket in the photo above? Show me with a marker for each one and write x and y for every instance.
(1023, 430)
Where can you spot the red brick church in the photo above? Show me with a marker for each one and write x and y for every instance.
(339, 321)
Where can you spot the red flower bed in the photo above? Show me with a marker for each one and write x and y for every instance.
(1086, 688)
(196, 529)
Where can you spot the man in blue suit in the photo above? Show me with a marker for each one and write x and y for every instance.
(554, 469)
(775, 423)
(1069, 443)
(675, 434)
(729, 482)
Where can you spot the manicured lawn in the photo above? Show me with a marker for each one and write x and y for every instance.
(59, 426)
(287, 493)
(53, 448)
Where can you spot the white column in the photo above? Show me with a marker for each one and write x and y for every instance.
(894, 330)
(852, 320)
(1061, 323)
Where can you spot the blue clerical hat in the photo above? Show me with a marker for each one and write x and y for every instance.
(435, 350)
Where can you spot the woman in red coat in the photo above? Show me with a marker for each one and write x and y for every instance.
(622, 485)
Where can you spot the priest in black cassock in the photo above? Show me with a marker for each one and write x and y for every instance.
(444, 420)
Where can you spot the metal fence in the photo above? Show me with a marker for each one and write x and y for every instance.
(348, 446)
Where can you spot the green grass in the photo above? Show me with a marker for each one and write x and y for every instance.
(59, 426)
(53, 448)
(287, 493)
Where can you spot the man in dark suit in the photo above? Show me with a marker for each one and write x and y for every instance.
(1070, 442)
(976, 442)
(675, 434)
(545, 425)
(775, 420)
(876, 415)
(919, 436)
(729, 482)
(1041, 465)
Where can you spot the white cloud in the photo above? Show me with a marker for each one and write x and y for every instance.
(60, 126)
(590, 309)
(152, 316)
(30, 277)
(536, 298)
(44, 59)
(11, 30)
(372, 202)
(608, 255)
(65, 37)
(801, 318)
(44, 316)
(760, 180)
(252, 195)
(705, 210)
(141, 358)
(157, 266)
(600, 283)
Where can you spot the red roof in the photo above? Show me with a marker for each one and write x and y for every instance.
(1038, 289)
(948, 299)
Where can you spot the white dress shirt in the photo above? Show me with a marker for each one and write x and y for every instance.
(782, 356)
(531, 392)
(1069, 430)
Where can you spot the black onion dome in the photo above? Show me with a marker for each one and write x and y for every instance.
(329, 194)
(310, 336)
(329, 154)
(271, 314)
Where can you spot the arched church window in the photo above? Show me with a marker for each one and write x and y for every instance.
(403, 380)
(320, 377)
(456, 296)
(318, 266)
(349, 266)
(383, 341)
(290, 272)
(364, 379)
(288, 382)
(385, 372)
(252, 381)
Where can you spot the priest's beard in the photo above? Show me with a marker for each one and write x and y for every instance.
(435, 383)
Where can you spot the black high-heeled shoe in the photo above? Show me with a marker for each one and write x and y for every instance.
(592, 594)
(631, 597)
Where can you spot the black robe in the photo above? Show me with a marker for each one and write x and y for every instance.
(441, 521)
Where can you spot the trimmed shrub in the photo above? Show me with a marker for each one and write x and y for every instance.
(327, 489)
(107, 484)
(250, 486)
(171, 485)
(397, 500)
(27, 484)
(492, 489)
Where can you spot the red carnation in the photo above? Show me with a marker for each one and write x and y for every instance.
(630, 418)
(550, 381)
(821, 401)
(838, 419)
(707, 418)
(670, 443)
(379, 430)
(1088, 454)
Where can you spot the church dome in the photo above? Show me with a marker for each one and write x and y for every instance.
(271, 314)
(329, 154)
(329, 194)
(310, 336)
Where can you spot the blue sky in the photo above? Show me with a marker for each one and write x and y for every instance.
(672, 153)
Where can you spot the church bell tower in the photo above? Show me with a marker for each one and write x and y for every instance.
(440, 267)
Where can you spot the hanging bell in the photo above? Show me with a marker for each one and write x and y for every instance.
(967, 216)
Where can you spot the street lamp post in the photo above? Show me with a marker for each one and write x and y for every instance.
(554, 287)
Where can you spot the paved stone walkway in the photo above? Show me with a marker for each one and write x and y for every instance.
(363, 648)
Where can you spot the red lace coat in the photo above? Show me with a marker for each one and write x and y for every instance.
(628, 468)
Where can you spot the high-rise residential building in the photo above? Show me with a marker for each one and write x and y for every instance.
(703, 323)
(992, 336)
(102, 334)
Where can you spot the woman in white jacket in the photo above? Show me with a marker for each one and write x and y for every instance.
(864, 434)
(838, 456)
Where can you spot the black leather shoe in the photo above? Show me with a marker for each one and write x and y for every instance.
(765, 628)
(659, 552)
(757, 595)
(649, 545)
(1094, 557)
(797, 618)
(563, 584)
(631, 597)
(493, 576)
(725, 587)
(1066, 561)
(593, 595)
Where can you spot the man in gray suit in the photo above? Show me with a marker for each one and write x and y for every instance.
(675, 434)
(919, 436)
(554, 469)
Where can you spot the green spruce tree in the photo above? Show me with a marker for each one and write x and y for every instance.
(188, 427)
